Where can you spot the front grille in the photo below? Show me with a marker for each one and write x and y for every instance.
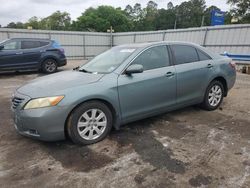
(16, 101)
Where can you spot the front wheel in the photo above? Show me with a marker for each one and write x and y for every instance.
(89, 123)
(214, 96)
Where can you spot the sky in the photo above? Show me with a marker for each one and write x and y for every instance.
(22, 10)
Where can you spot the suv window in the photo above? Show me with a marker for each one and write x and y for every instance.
(30, 44)
(153, 58)
(203, 56)
(184, 54)
(43, 43)
(12, 45)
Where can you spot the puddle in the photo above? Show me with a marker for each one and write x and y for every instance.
(77, 158)
(142, 140)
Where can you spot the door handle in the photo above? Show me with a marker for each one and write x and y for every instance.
(209, 65)
(169, 74)
(19, 53)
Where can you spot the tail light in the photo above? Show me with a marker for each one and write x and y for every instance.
(233, 65)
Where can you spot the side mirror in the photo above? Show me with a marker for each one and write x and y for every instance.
(1, 47)
(135, 68)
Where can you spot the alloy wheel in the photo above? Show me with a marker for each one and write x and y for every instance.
(50, 66)
(215, 95)
(92, 124)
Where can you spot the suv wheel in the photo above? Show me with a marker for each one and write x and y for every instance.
(89, 123)
(214, 96)
(49, 66)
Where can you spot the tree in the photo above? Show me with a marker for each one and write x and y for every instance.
(57, 21)
(34, 22)
(17, 25)
(165, 19)
(242, 7)
(241, 10)
(170, 5)
(189, 13)
(101, 18)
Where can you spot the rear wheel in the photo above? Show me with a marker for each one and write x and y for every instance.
(49, 66)
(89, 123)
(214, 96)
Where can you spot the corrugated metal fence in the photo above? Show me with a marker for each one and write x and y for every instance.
(234, 39)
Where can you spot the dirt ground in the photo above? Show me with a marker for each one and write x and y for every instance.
(185, 148)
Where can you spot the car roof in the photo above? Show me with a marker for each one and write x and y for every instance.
(40, 39)
(148, 44)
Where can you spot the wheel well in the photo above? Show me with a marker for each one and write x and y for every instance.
(46, 58)
(109, 105)
(224, 83)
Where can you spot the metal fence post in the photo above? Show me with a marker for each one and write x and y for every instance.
(135, 38)
(205, 37)
(8, 34)
(163, 36)
(84, 47)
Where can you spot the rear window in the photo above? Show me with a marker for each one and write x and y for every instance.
(184, 54)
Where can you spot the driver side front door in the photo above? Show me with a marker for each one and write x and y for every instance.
(150, 92)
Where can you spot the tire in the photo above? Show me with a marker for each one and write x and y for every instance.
(214, 96)
(86, 119)
(49, 66)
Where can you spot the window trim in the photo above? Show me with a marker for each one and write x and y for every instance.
(169, 54)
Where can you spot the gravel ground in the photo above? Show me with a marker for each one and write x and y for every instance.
(185, 148)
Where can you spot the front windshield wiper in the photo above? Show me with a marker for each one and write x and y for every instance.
(76, 68)
(84, 70)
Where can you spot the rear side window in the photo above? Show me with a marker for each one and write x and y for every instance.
(184, 54)
(155, 57)
(43, 43)
(203, 56)
(30, 44)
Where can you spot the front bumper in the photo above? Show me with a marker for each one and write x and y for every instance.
(45, 124)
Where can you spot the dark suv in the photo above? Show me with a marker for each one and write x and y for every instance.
(23, 54)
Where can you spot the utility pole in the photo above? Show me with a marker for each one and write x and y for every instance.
(111, 31)
(202, 21)
(175, 22)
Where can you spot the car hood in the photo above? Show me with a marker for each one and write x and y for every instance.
(53, 84)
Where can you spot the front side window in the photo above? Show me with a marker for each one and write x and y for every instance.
(184, 54)
(30, 44)
(12, 45)
(155, 57)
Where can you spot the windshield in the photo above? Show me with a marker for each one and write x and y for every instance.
(108, 61)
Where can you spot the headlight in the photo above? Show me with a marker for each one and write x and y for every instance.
(43, 102)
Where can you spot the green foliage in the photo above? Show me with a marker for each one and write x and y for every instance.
(242, 7)
(137, 18)
(241, 10)
(101, 18)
